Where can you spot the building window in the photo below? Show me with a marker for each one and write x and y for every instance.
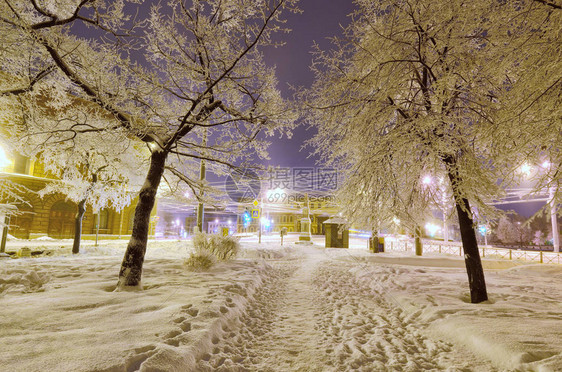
(290, 218)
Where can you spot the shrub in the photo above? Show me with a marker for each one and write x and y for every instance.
(224, 248)
(199, 260)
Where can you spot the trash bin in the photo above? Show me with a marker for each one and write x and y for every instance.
(376, 244)
(337, 233)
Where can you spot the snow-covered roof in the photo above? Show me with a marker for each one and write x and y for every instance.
(337, 220)
(7, 207)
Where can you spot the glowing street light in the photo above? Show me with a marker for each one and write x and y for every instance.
(4, 161)
(483, 229)
(426, 180)
(246, 218)
(266, 223)
(431, 229)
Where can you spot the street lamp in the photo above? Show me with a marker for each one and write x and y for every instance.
(428, 180)
(526, 170)
(431, 229)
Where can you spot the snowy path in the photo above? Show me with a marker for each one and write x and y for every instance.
(314, 316)
(276, 308)
(279, 330)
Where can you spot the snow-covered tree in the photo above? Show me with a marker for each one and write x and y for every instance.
(95, 178)
(506, 231)
(523, 232)
(538, 238)
(189, 71)
(533, 104)
(417, 88)
(100, 168)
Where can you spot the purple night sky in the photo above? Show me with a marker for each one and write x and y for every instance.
(320, 20)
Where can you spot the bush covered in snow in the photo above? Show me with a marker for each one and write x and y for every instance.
(209, 248)
(201, 259)
(222, 247)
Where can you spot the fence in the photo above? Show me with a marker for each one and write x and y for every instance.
(453, 248)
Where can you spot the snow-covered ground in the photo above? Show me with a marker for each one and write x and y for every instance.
(276, 308)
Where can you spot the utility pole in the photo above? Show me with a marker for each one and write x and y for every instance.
(202, 175)
(554, 220)
(97, 226)
(200, 206)
(445, 225)
(4, 233)
(260, 220)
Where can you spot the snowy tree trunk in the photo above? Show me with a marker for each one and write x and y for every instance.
(78, 225)
(131, 268)
(476, 281)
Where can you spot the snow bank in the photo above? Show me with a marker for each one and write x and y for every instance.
(434, 260)
(44, 238)
(276, 308)
(63, 312)
(22, 280)
(11, 238)
(519, 328)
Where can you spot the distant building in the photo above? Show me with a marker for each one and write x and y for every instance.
(53, 215)
(288, 214)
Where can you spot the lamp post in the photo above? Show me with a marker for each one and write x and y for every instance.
(554, 219)
(202, 177)
(526, 170)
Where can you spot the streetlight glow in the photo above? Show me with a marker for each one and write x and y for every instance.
(526, 169)
(431, 229)
(4, 161)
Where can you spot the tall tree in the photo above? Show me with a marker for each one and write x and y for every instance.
(534, 102)
(416, 88)
(187, 68)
